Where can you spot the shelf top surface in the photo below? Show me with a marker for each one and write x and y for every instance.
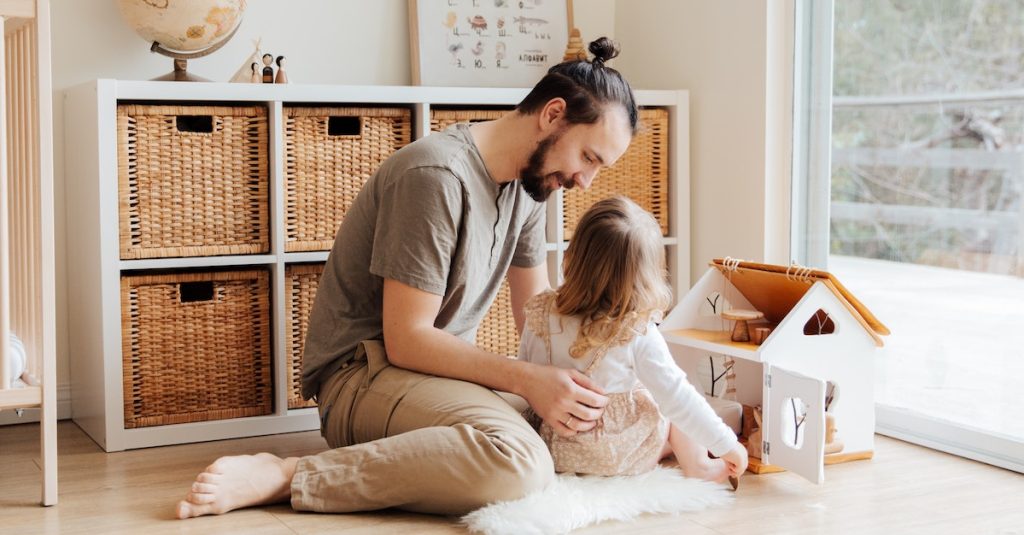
(153, 90)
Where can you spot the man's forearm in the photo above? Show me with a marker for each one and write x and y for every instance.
(431, 350)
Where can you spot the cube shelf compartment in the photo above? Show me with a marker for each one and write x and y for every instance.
(192, 180)
(302, 281)
(196, 346)
(330, 152)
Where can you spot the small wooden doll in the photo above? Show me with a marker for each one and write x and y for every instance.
(268, 69)
(282, 76)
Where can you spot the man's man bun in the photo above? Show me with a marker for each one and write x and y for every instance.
(603, 50)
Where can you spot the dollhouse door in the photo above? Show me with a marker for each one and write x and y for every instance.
(794, 423)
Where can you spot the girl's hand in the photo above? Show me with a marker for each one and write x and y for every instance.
(567, 400)
(736, 460)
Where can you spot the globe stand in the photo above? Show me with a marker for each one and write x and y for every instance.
(180, 72)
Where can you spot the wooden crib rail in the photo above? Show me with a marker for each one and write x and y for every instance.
(27, 265)
(20, 200)
(18, 9)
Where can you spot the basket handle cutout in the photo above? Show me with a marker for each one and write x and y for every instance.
(195, 292)
(338, 125)
(196, 124)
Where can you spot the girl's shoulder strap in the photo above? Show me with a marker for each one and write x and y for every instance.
(538, 316)
(599, 352)
(625, 333)
(538, 312)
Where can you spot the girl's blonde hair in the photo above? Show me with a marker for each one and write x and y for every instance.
(615, 275)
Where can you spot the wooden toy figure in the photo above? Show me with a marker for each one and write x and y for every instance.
(256, 78)
(268, 69)
(754, 435)
(282, 76)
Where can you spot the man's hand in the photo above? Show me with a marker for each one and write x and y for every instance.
(567, 400)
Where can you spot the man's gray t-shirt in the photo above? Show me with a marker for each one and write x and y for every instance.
(431, 218)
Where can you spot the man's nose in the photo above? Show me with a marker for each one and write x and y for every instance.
(584, 179)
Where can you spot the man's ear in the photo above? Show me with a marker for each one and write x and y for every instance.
(552, 114)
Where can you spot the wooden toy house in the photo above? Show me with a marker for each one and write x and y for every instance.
(808, 360)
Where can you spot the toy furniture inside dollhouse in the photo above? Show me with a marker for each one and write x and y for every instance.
(785, 356)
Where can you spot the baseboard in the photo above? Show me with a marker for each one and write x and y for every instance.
(10, 416)
(957, 439)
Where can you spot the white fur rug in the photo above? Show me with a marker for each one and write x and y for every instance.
(573, 502)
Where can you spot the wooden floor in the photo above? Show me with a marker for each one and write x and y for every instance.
(904, 489)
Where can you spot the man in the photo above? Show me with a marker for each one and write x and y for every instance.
(407, 402)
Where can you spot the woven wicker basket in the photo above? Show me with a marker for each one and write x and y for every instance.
(195, 347)
(301, 282)
(192, 180)
(441, 118)
(497, 332)
(329, 154)
(640, 174)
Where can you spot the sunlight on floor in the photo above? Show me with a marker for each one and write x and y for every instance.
(954, 352)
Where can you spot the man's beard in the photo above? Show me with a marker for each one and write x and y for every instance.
(534, 183)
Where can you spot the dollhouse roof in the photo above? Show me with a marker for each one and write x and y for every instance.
(775, 290)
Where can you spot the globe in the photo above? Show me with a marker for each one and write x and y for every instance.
(183, 29)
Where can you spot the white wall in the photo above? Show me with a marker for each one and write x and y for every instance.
(733, 57)
(594, 18)
(326, 42)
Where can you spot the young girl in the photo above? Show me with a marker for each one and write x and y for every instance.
(601, 322)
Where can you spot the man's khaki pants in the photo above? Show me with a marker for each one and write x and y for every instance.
(416, 442)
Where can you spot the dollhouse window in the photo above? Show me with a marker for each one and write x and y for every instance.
(794, 413)
(820, 323)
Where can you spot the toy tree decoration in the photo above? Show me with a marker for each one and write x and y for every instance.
(727, 373)
(574, 51)
(714, 302)
(799, 415)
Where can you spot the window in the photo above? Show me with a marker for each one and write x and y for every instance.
(909, 187)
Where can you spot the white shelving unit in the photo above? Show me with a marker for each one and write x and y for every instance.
(95, 267)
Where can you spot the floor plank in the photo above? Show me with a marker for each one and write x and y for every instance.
(904, 489)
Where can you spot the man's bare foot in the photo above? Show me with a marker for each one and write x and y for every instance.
(239, 481)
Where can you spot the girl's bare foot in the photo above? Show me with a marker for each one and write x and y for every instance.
(239, 481)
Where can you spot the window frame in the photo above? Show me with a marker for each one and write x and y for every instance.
(812, 123)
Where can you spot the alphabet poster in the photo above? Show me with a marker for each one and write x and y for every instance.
(486, 43)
